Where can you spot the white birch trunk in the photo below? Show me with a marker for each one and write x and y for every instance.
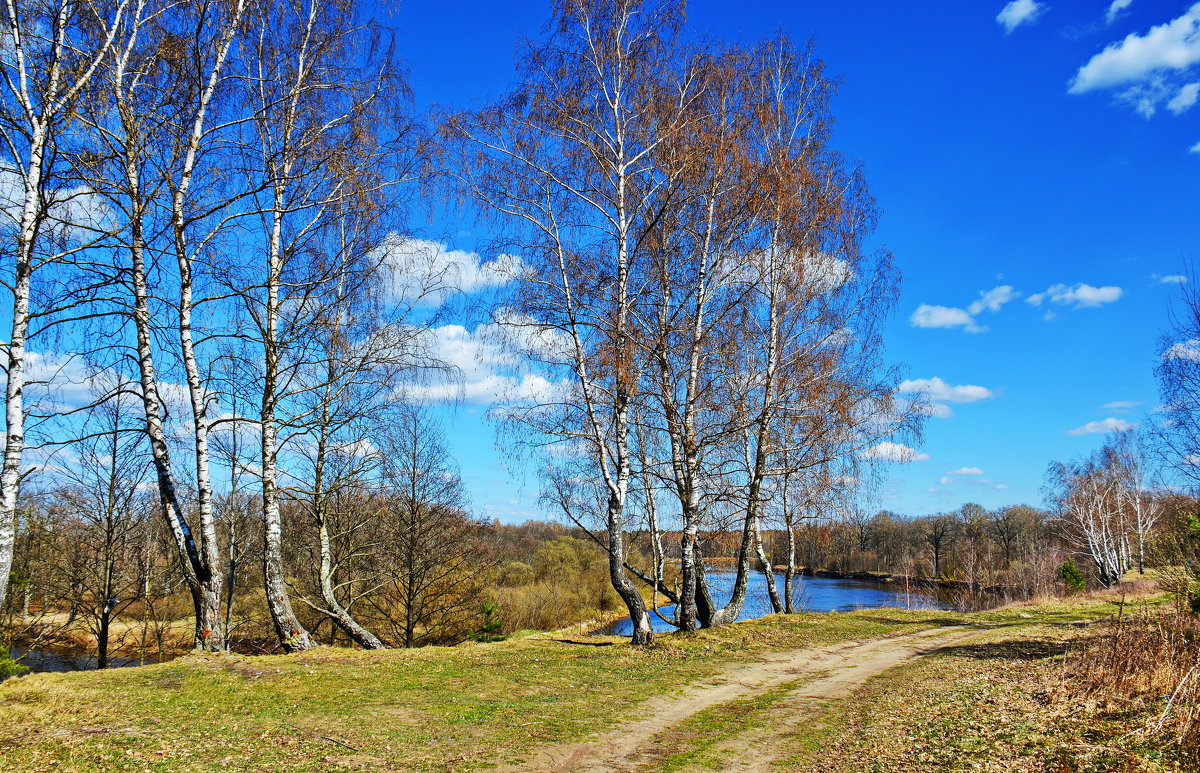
(37, 119)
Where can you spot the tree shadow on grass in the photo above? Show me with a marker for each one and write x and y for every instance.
(934, 622)
(1018, 649)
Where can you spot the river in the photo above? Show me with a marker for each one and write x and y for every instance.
(60, 660)
(814, 594)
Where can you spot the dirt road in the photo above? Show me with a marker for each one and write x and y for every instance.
(819, 674)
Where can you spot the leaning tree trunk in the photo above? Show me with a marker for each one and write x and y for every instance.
(202, 578)
(687, 614)
(767, 569)
(643, 633)
(733, 610)
(338, 613)
(208, 605)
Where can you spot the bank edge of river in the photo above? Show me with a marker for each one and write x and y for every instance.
(59, 657)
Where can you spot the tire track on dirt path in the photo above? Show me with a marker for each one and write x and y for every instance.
(841, 667)
(756, 750)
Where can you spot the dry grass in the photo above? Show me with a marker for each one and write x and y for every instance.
(1144, 665)
(1063, 691)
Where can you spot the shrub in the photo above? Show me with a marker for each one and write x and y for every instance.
(10, 667)
(491, 627)
(1071, 576)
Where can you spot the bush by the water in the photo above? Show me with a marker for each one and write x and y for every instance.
(10, 667)
(566, 582)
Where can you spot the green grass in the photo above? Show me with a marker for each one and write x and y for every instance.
(429, 709)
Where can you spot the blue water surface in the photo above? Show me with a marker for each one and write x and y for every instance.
(813, 594)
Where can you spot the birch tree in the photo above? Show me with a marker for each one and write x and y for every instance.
(352, 392)
(328, 111)
(697, 308)
(566, 163)
(51, 51)
(1088, 497)
(1177, 437)
(804, 381)
(1130, 463)
(155, 118)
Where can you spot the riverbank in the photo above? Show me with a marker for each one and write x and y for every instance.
(53, 642)
(454, 708)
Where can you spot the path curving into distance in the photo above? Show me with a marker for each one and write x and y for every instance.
(820, 673)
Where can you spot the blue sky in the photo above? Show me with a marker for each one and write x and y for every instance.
(1042, 147)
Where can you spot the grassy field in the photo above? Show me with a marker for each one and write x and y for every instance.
(471, 706)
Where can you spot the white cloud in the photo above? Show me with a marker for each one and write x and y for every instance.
(1105, 425)
(887, 451)
(944, 316)
(946, 481)
(966, 471)
(993, 299)
(1120, 405)
(488, 390)
(1077, 296)
(824, 272)
(1169, 279)
(938, 391)
(1195, 148)
(73, 213)
(484, 372)
(63, 379)
(1184, 99)
(1174, 45)
(1019, 12)
(936, 410)
(1187, 350)
(1114, 10)
(1150, 66)
(428, 272)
